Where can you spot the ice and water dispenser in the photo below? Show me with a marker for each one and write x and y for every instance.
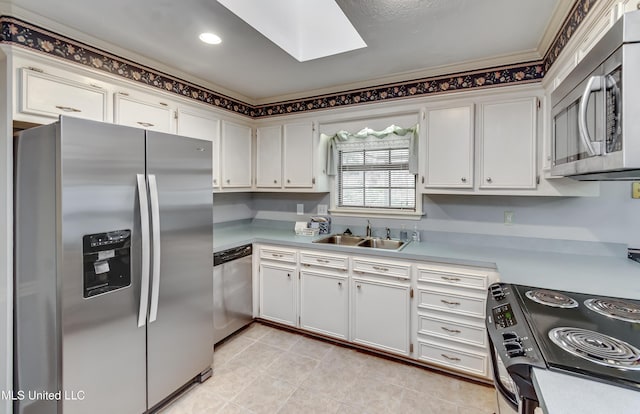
(107, 262)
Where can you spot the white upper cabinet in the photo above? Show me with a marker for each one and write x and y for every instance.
(507, 135)
(203, 126)
(269, 157)
(235, 155)
(449, 147)
(298, 155)
(42, 94)
(143, 111)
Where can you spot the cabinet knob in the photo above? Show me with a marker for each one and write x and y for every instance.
(288, 181)
(275, 181)
(228, 181)
(340, 284)
(463, 179)
(489, 179)
(215, 181)
(358, 286)
(289, 275)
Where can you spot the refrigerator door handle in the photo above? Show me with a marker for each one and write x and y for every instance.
(155, 224)
(144, 230)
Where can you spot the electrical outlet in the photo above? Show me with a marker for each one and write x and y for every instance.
(635, 189)
(300, 209)
(508, 218)
(322, 209)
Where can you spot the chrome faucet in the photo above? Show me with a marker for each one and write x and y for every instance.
(388, 233)
(368, 228)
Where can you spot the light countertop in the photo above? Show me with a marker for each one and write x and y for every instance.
(612, 275)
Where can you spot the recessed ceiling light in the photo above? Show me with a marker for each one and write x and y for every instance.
(210, 38)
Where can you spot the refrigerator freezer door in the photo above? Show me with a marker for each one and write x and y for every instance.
(180, 339)
(103, 349)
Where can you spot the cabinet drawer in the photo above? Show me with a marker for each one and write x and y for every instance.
(452, 330)
(464, 305)
(283, 255)
(325, 260)
(458, 359)
(470, 279)
(43, 94)
(393, 269)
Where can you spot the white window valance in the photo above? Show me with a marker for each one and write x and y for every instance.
(391, 137)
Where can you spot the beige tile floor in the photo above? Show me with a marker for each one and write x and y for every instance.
(267, 370)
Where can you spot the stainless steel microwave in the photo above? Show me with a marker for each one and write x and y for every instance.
(596, 109)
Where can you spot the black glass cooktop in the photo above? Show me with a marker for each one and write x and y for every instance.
(599, 338)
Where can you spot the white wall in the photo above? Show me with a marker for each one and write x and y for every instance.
(612, 217)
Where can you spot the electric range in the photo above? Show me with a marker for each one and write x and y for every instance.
(591, 336)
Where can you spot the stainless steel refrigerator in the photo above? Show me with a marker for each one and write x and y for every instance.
(113, 267)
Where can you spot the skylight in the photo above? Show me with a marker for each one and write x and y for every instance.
(304, 29)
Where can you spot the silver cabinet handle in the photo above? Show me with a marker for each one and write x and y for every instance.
(451, 358)
(489, 179)
(155, 227)
(382, 269)
(446, 302)
(322, 261)
(306, 265)
(143, 204)
(594, 84)
(276, 255)
(444, 328)
(450, 279)
(463, 179)
(68, 109)
(145, 124)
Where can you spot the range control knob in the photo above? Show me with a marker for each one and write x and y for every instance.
(497, 292)
(514, 348)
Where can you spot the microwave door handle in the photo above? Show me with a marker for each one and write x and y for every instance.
(144, 232)
(594, 84)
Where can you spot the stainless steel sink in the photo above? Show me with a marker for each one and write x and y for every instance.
(382, 244)
(366, 242)
(342, 239)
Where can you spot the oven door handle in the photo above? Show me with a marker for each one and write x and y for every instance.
(511, 398)
(593, 85)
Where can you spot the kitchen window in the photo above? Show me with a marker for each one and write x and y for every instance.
(378, 179)
(375, 172)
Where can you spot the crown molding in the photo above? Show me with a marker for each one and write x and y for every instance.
(558, 17)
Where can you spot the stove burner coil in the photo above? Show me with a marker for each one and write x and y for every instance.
(551, 298)
(616, 309)
(596, 347)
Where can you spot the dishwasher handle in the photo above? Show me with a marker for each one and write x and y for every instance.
(232, 254)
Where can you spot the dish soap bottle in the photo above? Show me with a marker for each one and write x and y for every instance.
(416, 233)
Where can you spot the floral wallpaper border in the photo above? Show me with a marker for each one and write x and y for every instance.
(17, 32)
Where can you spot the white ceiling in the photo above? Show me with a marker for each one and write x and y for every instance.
(406, 39)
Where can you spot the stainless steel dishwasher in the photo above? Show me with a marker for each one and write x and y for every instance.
(232, 291)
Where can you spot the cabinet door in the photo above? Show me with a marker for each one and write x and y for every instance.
(43, 94)
(298, 155)
(324, 303)
(269, 157)
(278, 293)
(196, 125)
(236, 155)
(449, 160)
(508, 142)
(142, 113)
(381, 315)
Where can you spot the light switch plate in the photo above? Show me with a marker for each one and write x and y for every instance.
(300, 209)
(635, 189)
(322, 209)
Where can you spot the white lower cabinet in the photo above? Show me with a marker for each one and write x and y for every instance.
(324, 303)
(450, 317)
(278, 288)
(381, 315)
